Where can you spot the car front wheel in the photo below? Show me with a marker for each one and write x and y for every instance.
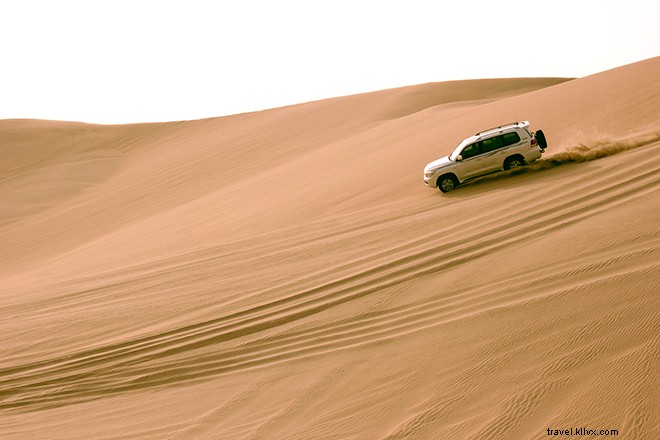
(447, 182)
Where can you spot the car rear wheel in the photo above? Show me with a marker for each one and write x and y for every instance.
(540, 138)
(447, 182)
(514, 162)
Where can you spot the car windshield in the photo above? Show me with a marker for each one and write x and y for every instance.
(457, 151)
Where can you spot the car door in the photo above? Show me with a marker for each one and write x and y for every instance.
(491, 151)
(471, 163)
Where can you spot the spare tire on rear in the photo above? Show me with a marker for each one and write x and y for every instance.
(540, 138)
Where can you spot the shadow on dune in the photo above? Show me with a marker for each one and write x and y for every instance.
(574, 154)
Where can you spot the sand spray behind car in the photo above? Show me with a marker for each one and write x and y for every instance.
(589, 151)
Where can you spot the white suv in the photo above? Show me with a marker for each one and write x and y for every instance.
(496, 149)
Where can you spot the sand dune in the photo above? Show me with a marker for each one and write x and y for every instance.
(286, 273)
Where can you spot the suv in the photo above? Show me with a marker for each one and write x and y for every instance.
(500, 148)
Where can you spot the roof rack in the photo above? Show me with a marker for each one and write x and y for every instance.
(495, 128)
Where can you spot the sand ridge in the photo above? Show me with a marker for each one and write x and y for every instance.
(286, 274)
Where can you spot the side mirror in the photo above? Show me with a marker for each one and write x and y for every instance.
(459, 158)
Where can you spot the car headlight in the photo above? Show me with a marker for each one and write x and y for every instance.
(429, 173)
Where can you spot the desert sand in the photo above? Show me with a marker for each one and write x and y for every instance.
(286, 274)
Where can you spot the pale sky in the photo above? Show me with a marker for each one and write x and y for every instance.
(120, 61)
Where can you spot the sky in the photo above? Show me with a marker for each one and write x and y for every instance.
(117, 61)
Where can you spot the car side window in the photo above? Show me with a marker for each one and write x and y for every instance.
(491, 144)
(470, 151)
(510, 138)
